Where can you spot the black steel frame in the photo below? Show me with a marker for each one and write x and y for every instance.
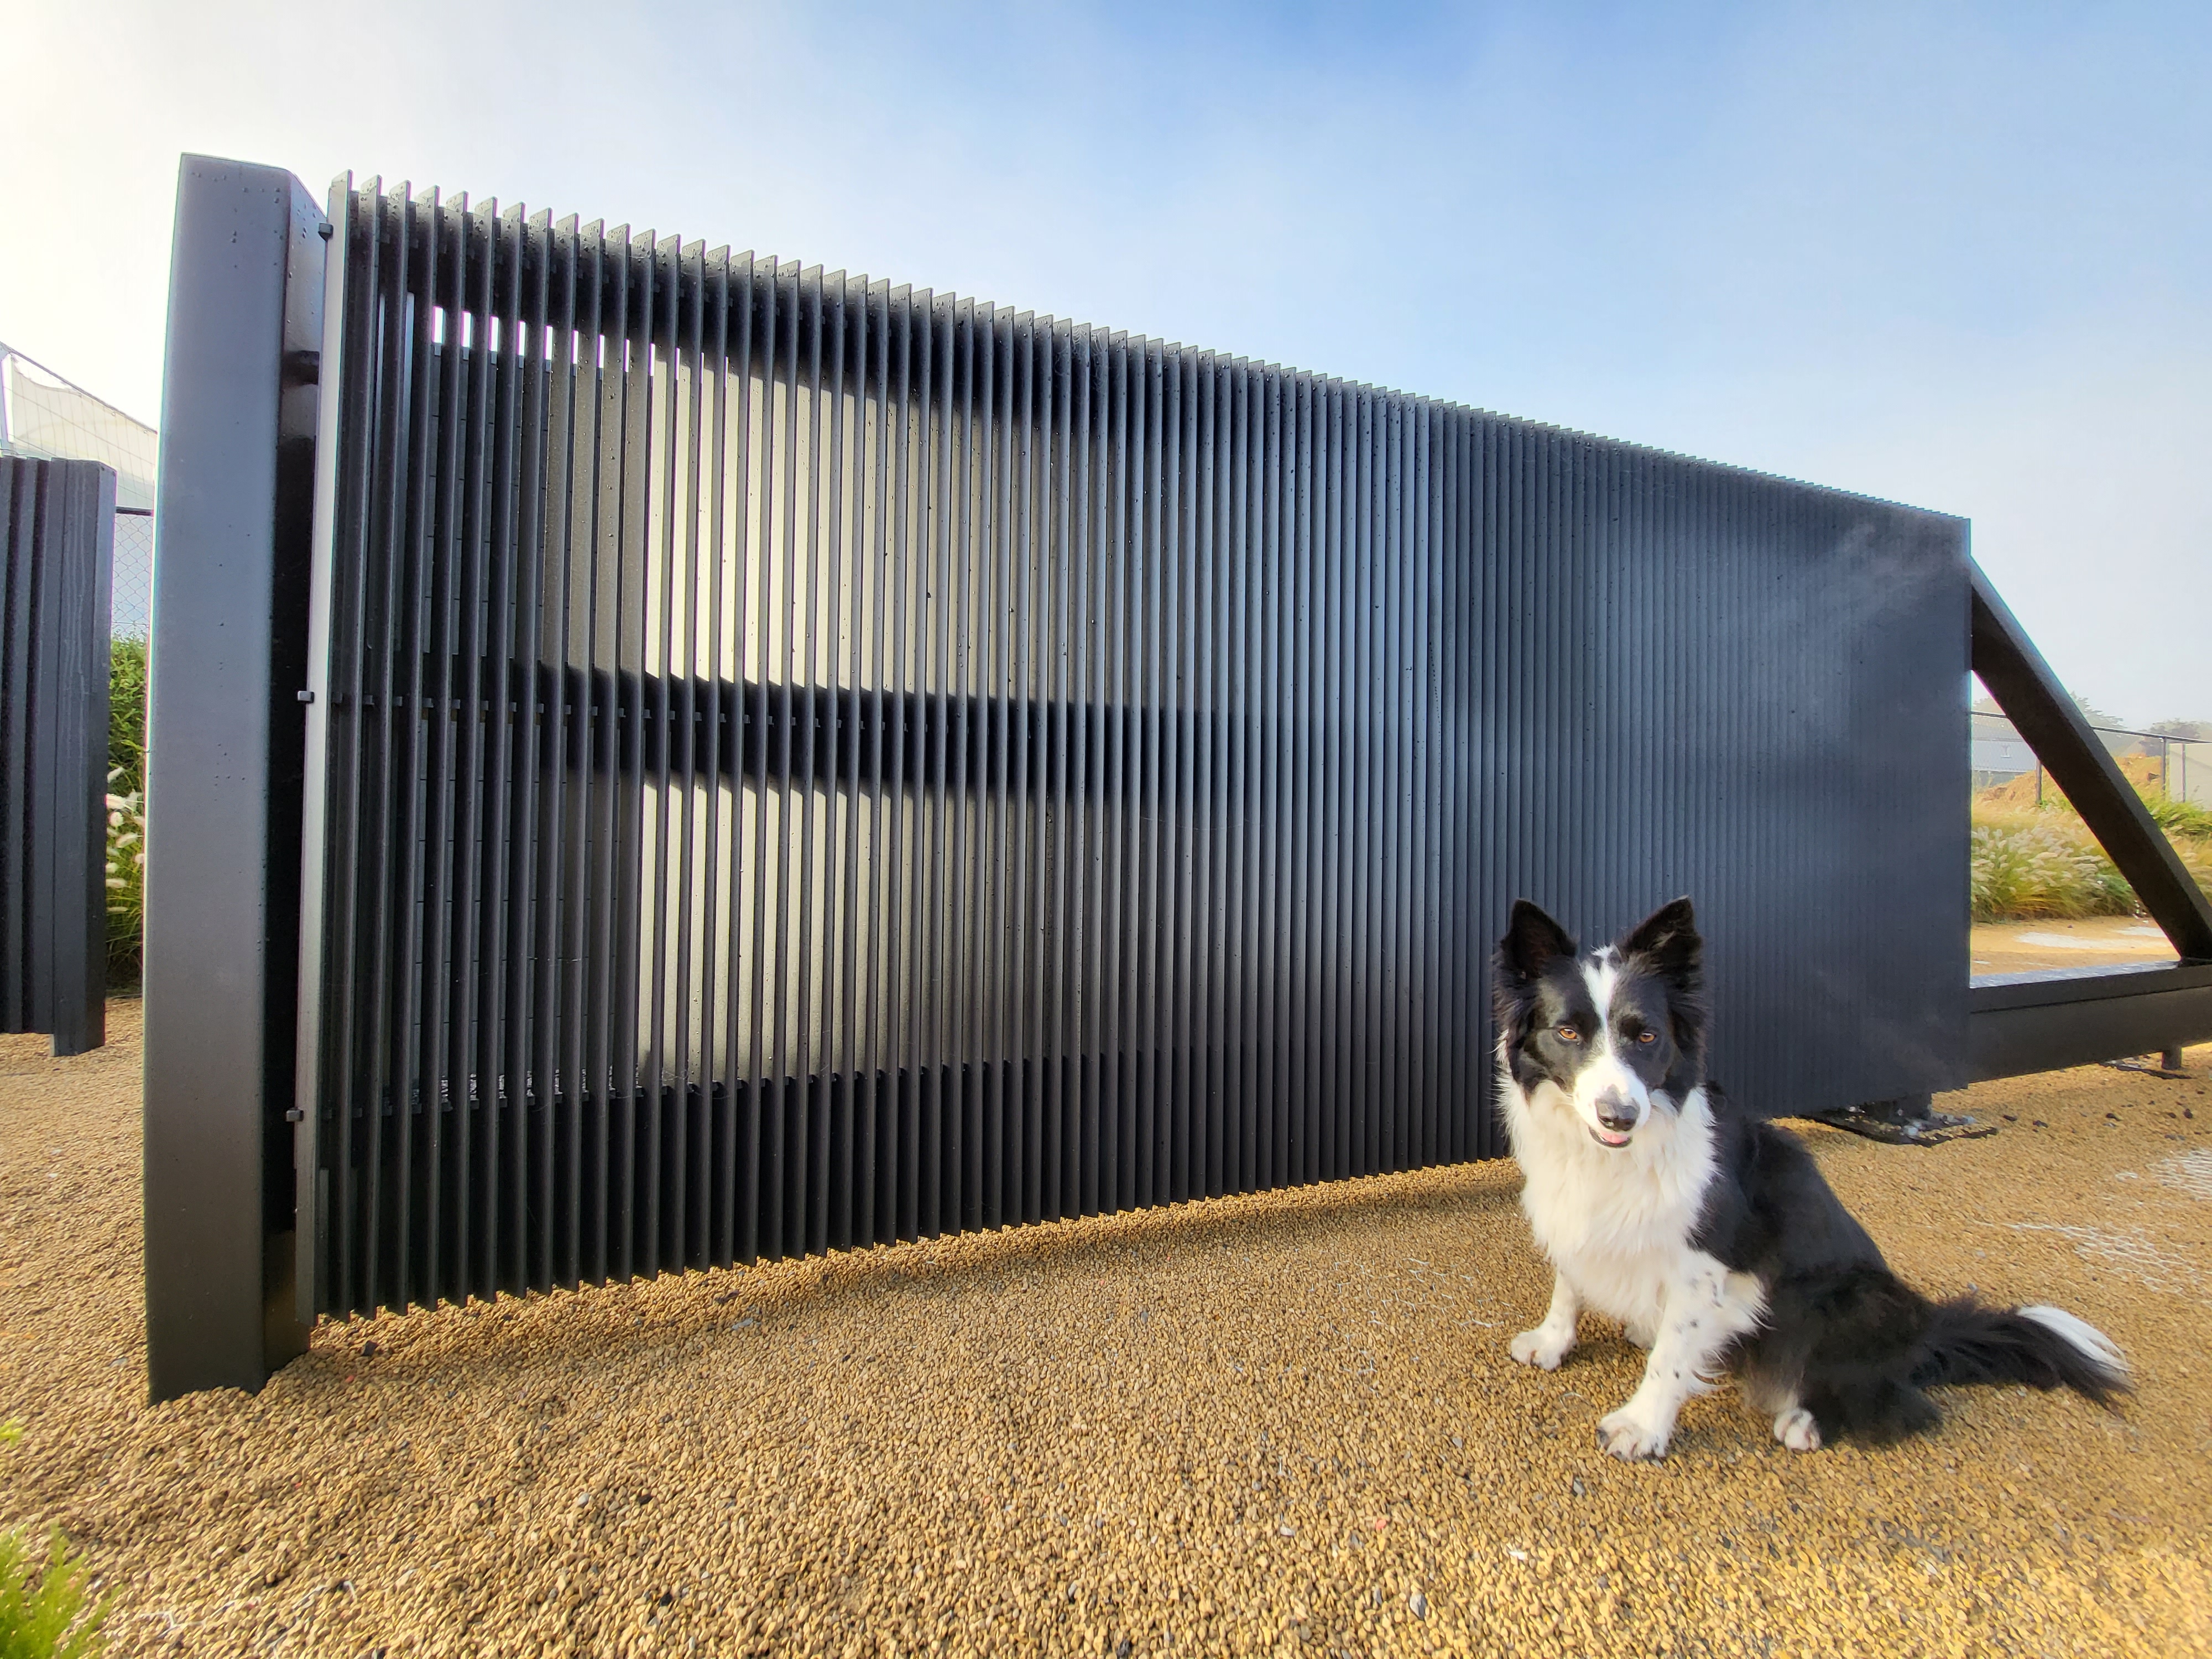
(2038, 1022)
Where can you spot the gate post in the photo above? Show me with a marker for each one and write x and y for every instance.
(239, 407)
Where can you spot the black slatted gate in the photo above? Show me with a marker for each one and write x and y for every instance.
(797, 762)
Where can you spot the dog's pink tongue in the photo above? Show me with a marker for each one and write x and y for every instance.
(1611, 1138)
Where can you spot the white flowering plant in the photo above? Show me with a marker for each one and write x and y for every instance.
(126, 808)
(126, 856)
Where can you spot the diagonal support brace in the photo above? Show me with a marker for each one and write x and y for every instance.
(2052, 725)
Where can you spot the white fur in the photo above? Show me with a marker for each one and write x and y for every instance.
(1611, 1215)
(1602, 1073)
(1601, 973)
(1616, 1223)
(1549, 1343)
(2081, 1334)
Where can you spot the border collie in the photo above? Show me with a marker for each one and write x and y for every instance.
(1710, 1235)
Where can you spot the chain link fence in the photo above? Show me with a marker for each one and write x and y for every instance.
(131, 608)
(2181, 767)
(45, 417)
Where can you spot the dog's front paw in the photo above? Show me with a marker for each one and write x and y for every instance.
(1540, 1348)
(1629, 1437)
(1797, 1430)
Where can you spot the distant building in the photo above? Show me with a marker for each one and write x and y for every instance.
(47, 417)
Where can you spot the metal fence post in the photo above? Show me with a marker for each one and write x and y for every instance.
(238, 411)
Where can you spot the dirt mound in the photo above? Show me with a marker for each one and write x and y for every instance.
(2146, 772)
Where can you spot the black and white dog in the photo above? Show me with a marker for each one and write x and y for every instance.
(1710, 1234)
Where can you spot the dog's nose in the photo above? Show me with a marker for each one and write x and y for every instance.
(1616, 1111)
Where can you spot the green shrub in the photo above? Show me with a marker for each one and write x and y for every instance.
(45, 1613)
(2022, 870)
(2034, 859)
(2031, 864)
(126, 707)
(126, 808)
(2180, 818)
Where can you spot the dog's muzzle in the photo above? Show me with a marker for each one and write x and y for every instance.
(1616, 1119)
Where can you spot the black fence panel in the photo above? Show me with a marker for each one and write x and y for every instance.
(797, 762)
(56, 542)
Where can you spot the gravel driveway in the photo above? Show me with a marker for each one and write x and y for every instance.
(1284, 1424)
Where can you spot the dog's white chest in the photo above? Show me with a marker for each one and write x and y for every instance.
(1618, 1223)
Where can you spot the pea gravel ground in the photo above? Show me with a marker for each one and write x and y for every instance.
(1277, 1424)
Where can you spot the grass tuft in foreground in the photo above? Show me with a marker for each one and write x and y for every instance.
(45, 1611)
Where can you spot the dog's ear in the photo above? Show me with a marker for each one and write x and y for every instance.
(1667, 939)
(1531, 941)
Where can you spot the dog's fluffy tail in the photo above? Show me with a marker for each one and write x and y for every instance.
(2043, 1348)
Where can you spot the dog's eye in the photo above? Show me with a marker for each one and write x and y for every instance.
(1647, 1036)
(1568, 1034)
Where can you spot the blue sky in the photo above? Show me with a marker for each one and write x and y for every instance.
(1960, 256)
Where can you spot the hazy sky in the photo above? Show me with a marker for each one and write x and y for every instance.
(1959, 256)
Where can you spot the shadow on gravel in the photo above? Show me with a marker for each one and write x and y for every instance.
(492, 1341)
